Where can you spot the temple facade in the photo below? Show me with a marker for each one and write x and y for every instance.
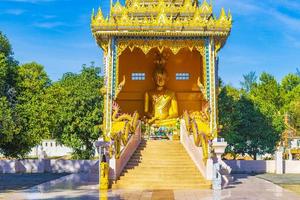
(161, 69)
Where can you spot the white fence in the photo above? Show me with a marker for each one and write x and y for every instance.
(263, 166)
(45, 165)
(76, 166)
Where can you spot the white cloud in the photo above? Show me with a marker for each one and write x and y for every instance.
(267, 10)
(294, 41)
(14, 11)
(245, 7)
(292, 5)
(288, 21)
(48, 25)
(49, 16)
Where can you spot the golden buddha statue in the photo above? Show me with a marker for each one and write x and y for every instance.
(161, 103)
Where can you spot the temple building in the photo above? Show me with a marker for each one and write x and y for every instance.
(161, 69)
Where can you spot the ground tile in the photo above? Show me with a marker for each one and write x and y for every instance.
(81, 186)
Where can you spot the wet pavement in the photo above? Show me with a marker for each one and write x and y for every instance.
(84, 186)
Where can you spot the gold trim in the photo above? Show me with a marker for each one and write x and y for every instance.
(147, 45)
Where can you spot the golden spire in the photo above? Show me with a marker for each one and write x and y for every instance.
(98, 19)
(229, 15)
(117, 8)
(124, 18)
(223, 20)
(187, 5)
(162, 18)
(205, 8)
(223, 15)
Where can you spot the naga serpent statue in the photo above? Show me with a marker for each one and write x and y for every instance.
(122, 126)
(197, 124)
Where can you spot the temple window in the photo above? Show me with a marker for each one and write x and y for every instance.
(138, 76)
(182, 76)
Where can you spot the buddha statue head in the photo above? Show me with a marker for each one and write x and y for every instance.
(160, 77)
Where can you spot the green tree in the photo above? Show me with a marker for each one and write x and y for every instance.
(249, 80)
(5, 47)
(79, 110)
(32, 81)
(8, 127)
(27, 128)
(289, 82)
(245, 128)
(294, 111)
(3, 74)
(7, 68)
(290, 92)
(266, 96)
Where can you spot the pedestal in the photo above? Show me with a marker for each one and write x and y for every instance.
(219, 146)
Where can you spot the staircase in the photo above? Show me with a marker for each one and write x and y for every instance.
(160, 164)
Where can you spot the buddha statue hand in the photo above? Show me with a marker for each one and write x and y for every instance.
(152, 120)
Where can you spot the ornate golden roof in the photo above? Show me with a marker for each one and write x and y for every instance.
(161, 18)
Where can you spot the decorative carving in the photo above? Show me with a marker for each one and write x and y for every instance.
(197, 124)
(120, 87)
(137, 16)
(147, 45)
(202, 88)
(122, 126)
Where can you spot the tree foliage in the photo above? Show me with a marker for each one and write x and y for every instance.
(290, 93)
(78, 111)
(249, 81)
(32, 108)
(252, 118)
(23, 115)
(5, 46)
(239, 116)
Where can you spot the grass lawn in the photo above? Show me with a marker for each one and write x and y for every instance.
(288, 181)
(10, 182)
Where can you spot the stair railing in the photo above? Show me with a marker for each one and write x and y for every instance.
(194, 152)
(213, 169)
(118, 160)
(117, 165)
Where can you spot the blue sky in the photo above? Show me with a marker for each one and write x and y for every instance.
(56, 34)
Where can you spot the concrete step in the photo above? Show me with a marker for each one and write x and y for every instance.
(164, 176)
(153, 186)
(157, 156)
(161, 165)
(160, 182)
(152, 160)
(174, 168)
(168, 153)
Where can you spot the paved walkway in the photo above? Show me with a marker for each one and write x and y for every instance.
(85, 187)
